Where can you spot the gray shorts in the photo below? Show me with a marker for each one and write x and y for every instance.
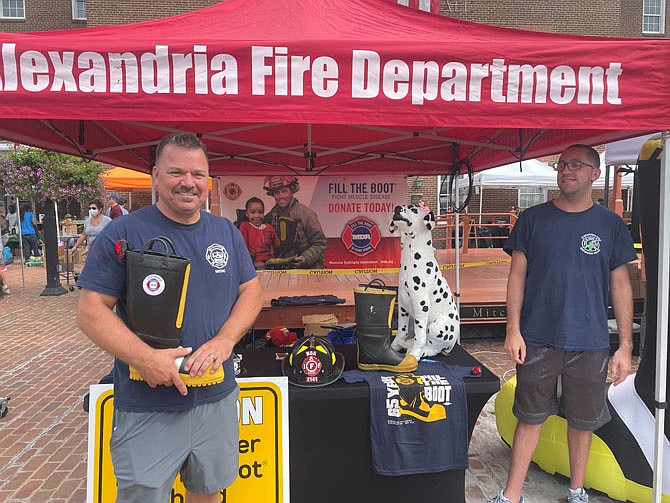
(569, 383)
(149, 448)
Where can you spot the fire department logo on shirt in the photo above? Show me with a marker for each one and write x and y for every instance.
(590, 244)
(217, 256)
(153, 285)
(361, 236)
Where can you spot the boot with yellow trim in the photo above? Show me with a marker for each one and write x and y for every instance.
(205, 379)
(156, 286)
(374, 312)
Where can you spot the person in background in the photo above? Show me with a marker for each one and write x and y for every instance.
(29, 237)
(513, 216)
(114, 210)
(260, 238)
(558, 293)
(122, 204)
(305, 240)
(161, 427)
(4, 288)
(12, 219)
(4, 239)
(94, 223)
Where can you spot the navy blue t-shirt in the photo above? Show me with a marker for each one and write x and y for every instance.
(220, 263)
(570, 256)
(418, 420)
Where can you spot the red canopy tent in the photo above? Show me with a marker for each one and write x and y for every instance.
(317, 86)
(335, 87)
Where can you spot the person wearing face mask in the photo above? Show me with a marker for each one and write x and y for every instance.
(93, 225)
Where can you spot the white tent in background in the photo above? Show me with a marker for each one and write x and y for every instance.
(532, 173)
(626, 151)
(535, 174)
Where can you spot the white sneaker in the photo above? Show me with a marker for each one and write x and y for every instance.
(577, 495)
(501, 499)
(5, 290)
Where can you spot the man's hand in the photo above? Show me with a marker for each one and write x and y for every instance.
(160, 369)
(212, 353)
(515, 347)
(299, 261)
(621, 364)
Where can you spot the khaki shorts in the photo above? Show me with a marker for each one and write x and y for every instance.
(149, 449)
(569, 383)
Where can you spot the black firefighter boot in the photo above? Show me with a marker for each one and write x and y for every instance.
(374, 310)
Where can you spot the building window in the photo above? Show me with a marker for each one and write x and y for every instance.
(653, 16)
(79, 9)
(530, 197)
(13, 9)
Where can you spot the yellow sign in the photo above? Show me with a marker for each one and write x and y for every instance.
(262, 411)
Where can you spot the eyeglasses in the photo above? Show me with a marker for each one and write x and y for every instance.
(92, 208)
(572, 165)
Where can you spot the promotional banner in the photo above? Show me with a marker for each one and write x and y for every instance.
(354, 213)
(262, 412)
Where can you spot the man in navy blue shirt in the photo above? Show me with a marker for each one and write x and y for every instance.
(567, 256)
(161, 427)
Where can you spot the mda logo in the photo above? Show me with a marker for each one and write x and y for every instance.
(361, 236)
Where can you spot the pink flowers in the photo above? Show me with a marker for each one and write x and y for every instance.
(29, 173)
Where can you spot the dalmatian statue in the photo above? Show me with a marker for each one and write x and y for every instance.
(423, 293)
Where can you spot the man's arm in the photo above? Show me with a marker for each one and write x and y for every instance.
(96, 318)
(244, 313)
(515, 347)
(622, 303)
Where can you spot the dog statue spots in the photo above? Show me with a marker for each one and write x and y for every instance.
(424, 297)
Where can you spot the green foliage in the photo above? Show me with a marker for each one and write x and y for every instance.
(40, 175)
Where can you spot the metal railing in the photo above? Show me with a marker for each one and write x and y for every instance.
(490, 233)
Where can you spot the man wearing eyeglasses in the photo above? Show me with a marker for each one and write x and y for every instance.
(567, 255)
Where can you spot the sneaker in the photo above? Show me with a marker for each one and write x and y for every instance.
(5, 290)
(3, 268)
(577, 495)
(501, 499)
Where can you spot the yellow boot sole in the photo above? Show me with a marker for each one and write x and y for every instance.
(207, 379)
(408, 364)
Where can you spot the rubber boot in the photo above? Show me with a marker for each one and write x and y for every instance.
(374, 310)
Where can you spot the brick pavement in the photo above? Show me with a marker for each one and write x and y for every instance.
(47, 364)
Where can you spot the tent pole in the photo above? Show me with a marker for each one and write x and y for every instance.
(606, 196)
(23, 273)
(57, 221)
(457, 232)
(481, 198)
(662, 316)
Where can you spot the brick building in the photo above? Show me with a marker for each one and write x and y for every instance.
(615, 18)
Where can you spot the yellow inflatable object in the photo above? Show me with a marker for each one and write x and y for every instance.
(603, 472)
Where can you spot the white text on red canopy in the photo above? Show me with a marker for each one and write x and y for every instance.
(275, 71)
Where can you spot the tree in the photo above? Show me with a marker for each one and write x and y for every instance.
(44, 177)
(30, 173)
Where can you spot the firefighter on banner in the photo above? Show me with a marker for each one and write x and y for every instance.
(303, 242)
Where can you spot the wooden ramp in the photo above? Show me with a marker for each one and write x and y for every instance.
(483, 282)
